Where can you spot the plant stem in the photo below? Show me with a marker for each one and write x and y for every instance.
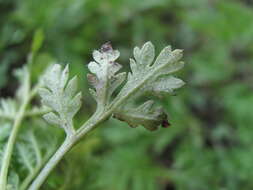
(32, 175)
(64, 148)
(69, 142)
(10, 145)
(27, 180)
(76, 136)
(16, 126)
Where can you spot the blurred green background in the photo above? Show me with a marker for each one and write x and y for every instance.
(210, 143)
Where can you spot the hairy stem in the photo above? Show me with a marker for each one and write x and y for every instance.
(70, 142)
(50, 165)
(82, 131)
(64, 148)
(10, 145)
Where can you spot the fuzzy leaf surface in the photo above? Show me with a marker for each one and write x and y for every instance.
(61, 96)
(149, 76)
(145, 115)
(104, 77)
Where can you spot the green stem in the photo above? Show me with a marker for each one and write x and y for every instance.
(10, 145)
(64, 148)
(69, 142)
(81, 132)
(16, 126)
(28, 180)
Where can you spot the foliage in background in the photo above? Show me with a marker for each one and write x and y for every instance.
(23, 136)
(209, 143)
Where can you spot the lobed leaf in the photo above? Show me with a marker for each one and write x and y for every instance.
(60, 95)
(144, 115)
(33, 149)
(104, 78)
(164, 85)
(146, 78)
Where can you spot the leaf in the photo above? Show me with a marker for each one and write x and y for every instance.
(149, 78)
(148, 75)
(1, 152)
(165, 84)
(60, 95)
(13, 181)
(143, 115)
(33, 149)
(52, 118)
(135, 166)
(8, 109)
(38, 39)
(37, 111)
(5, 129)
(26, 156)
(104, 78)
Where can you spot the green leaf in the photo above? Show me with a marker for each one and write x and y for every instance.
(13, 181)
(104, 78)
(60, 95)
(165, 85)
(149, 78)
(144, 115)
(26, 156)
(8, 109)
(137, 169)
(5, 130)
(52, 118)
(33, 149)
(38, 39)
